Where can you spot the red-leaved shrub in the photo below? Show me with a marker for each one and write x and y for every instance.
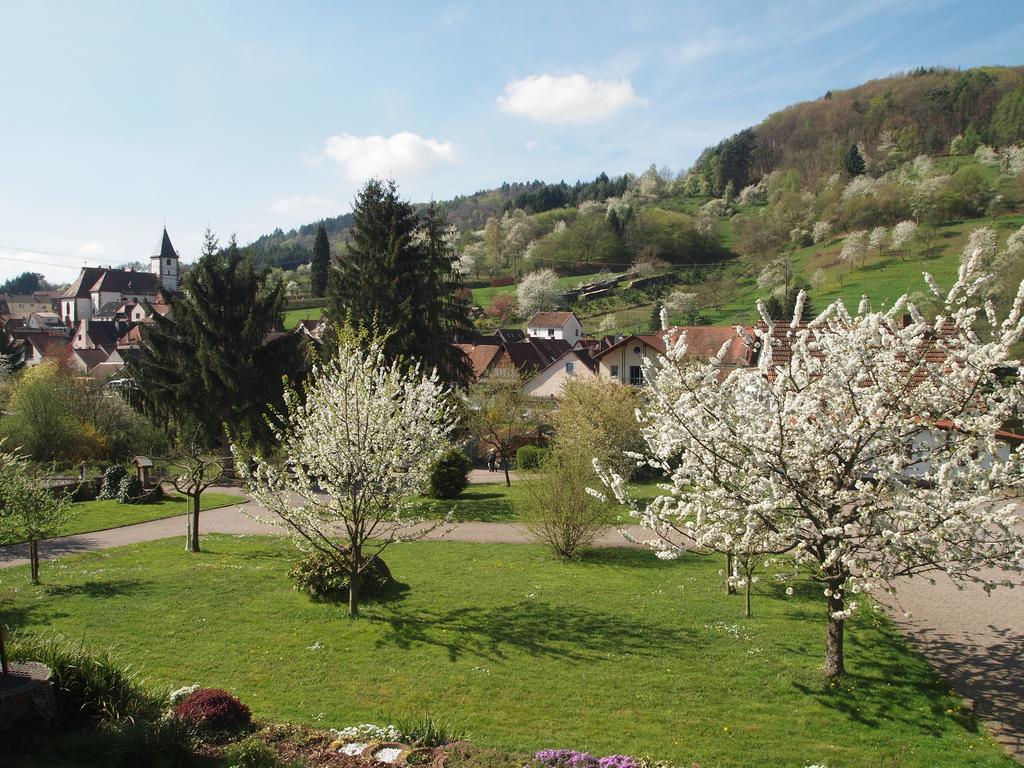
(214, 710)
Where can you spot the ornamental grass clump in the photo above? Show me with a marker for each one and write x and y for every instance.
(213, 710)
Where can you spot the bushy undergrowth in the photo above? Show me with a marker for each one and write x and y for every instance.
(530, 457)
(113, 476)
(324, 577)
(90, 686)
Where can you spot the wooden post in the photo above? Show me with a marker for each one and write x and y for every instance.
(4, 665)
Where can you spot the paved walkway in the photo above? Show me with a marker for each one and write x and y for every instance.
(975, 641)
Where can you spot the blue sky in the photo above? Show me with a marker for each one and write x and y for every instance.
(118, 117)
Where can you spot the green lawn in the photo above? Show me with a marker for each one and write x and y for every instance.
(619, 653)
(494, 502)
(293, 316)
(107, 513)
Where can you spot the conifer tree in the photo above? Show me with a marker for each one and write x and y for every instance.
(400, 278)
(12, 354)
(208, 369)
(853, 161)
(321, 262)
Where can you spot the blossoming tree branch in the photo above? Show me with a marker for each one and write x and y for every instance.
(357, 443)
(873, 451)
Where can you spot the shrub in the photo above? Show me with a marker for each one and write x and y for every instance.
(530, 457)
(429, 732)
(250, 753)
(449, 475)
(213, 709)
(90, 686)
(557, 509)
(323, 577)
(112, 477)
(162, 743)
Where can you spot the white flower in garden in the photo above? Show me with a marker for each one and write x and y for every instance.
(789, 590)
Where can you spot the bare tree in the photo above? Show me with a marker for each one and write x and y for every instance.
(197, 471)
(500, 415)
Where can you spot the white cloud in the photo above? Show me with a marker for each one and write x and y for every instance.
(530, 145)
(713, 42)
(306, 208)
(90, 249)
(568, 99)
(403, 154)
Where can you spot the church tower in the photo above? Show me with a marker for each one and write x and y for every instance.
(165, 263)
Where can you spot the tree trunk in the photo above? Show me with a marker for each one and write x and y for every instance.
(730, 568)
(33, 557)
(188, 523)
(746, 598)
(504, 466)
(835, 661)
(193, 538)
(353, 582)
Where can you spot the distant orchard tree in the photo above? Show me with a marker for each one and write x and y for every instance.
(902, 234)
(855, 247)
(538, 292)
(320, 264)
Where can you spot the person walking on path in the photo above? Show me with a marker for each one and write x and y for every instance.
(492, 461)
(81, 472)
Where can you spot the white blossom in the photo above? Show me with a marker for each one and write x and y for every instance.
(860, 454)
(821, 232)
(903, 233)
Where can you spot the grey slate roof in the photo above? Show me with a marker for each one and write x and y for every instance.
(164, 249)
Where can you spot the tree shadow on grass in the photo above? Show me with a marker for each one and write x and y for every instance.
(886, 682)
(98, 589)
(628, 557)
(530, 626)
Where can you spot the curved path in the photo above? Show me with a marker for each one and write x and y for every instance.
(974, 640)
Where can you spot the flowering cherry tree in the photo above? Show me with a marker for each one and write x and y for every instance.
(355, 448)
(866, 447)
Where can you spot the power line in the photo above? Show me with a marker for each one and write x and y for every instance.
(37, 262)
(41, 253)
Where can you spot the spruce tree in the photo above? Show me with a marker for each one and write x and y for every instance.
(12, 354)
(321, 262)
(208, 369)
(853, 161)
(400, 279)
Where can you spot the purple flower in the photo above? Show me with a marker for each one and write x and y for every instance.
(618, 761)
(566, 758)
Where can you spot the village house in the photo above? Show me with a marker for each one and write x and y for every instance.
(623, 361)
(555, 325)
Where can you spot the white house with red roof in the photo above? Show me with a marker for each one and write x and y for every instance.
(555, 325)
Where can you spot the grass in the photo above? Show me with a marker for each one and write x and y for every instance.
(108, 513)
(496, 503)
(620, 652)
(293, 316)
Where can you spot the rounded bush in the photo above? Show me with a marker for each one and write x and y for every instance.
(530, 457)
(324, 577)
(449, 475)
(213, 709)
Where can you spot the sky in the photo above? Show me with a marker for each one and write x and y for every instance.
(119, 118)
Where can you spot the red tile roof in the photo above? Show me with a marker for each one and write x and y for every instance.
(481, 356)
(549, 319)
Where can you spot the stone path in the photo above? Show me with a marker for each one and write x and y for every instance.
(975, 641)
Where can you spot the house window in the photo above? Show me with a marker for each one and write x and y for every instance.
(577, 333)
(636, 350)
(615, 371)
(569, 367)
(636, 376)
(168, 262)
(551, 332)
